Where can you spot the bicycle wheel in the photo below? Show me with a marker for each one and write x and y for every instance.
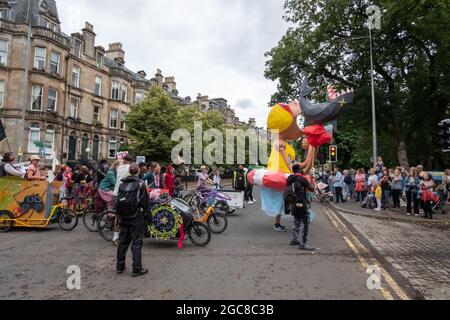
(217, 224)
(222, 208)
(6, 223)
(67, 219)
(90, 220)
(199, 234)
(105, 225)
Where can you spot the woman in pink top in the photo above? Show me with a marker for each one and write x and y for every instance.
(360, 187)
(427, 187)
(33, 173)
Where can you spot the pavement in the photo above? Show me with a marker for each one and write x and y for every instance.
(249, 261)
(420, 254)
(352, 207)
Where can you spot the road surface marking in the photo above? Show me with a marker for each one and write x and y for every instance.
(357, 247)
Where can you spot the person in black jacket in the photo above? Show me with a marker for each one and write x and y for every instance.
(300, 209)
(132, 225)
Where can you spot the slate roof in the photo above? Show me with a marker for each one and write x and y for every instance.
(20, 10)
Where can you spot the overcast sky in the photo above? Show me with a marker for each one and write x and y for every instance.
(213, 47)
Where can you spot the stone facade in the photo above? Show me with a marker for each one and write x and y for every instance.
(76, 94)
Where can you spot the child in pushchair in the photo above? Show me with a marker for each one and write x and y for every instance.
(370, 201)
(440, 204)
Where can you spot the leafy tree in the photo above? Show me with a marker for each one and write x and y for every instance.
(150, 125)
(328, 41)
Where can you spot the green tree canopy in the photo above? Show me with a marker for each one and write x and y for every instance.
(150, 125)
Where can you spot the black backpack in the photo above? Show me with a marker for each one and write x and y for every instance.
(348, 179)
(128, 200)
(291, 194)
(240, 181)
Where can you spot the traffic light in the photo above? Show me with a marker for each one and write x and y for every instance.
(444, 134)
(333, 153)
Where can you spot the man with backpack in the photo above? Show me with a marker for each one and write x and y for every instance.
(132, 204)
(122, 172)
(297, 199)
(240, 182)
(348, 180)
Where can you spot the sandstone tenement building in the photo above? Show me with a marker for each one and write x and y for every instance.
(75, 95)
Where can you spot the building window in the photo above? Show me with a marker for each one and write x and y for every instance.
(139, 97)
(123, 117)
(39, 58)
(3, 14)
(36, 98)
(3, 52)
(115, 91)
(76, 77)
(2, 93)
(98, 86)
(52, 99)
(125, 93)
(97, 114)
(77, 48)
(112, 150)
(99, 59)
(33, 138)
(114, 118)
(49, 141)
(74, 103)
(54, 62)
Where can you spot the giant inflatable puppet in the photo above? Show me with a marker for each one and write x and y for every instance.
(283, 122)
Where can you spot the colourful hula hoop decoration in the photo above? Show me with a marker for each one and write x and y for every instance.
(166, 222)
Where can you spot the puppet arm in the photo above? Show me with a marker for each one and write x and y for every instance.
(281, 147)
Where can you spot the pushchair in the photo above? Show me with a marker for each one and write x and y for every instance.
(441, 199)
(370, 201)
(323, 192)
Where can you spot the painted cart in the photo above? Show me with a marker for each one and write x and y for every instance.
(32, 204)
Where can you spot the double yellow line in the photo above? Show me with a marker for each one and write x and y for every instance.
(366, 258)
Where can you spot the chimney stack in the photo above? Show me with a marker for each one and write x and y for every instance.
(89, 40)
(115, 52)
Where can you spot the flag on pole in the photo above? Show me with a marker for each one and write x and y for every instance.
(2, 132)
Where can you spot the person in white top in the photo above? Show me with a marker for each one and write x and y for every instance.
(217, 180)
(373, 179)
(8, 168)
(122, 172)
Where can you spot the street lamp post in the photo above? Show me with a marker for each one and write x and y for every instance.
(374, 22)
(374, 117)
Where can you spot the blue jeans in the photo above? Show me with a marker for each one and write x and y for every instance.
(385, 198)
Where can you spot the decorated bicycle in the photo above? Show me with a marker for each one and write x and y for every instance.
(167, 219)
(32, 204)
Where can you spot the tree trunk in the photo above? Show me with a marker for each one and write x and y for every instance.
(403, 156)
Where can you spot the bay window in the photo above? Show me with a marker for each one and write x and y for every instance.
(113, 119)
(36, 97)
(33, 138)
(52, 99)
(76, 77)
(39, 58)
(3, 52)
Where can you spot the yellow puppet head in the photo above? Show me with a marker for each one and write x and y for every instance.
(283, 120)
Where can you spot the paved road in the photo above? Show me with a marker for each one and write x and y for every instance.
(249, 261)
